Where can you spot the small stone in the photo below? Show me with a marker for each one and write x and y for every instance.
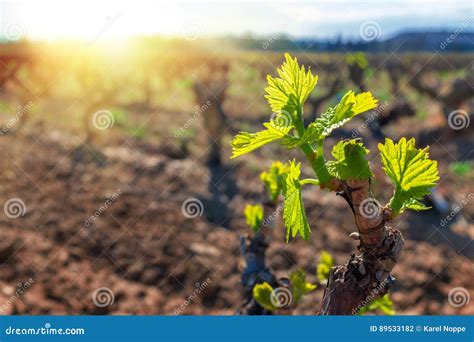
(355, 236)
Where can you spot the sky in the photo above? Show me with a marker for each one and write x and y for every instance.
(90, 20)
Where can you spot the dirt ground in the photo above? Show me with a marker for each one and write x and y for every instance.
(153, 258)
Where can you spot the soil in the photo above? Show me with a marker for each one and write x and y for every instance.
(155, 260)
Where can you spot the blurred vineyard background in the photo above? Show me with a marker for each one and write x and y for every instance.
(139, 127)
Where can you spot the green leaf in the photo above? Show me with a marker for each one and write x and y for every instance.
(292, 88)
(291, 141)
(350, 162)
(413, 204)
(273, 179)
(358, 58)
(294, 215)
(324, 267)
(350, 106)
(461, 168)
(362, 103)
(383, 304)
(262, 294)
(299, 285)
(411, 171)
(245, 142)
(282, 119)
(254, 216)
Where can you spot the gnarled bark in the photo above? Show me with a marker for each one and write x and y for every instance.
(356, 74)
(366, 276)
(452, 98)
(255, 272)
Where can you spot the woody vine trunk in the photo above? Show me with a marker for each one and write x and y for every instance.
(366, 276)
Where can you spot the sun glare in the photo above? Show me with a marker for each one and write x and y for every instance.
(68, 20)
(92, 22)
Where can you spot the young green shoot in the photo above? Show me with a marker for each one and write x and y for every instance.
(254, 216)
(410, 169)
(265, 294)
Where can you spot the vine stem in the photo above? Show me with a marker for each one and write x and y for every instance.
(314, 157)
(367, 276)
(309, 181)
